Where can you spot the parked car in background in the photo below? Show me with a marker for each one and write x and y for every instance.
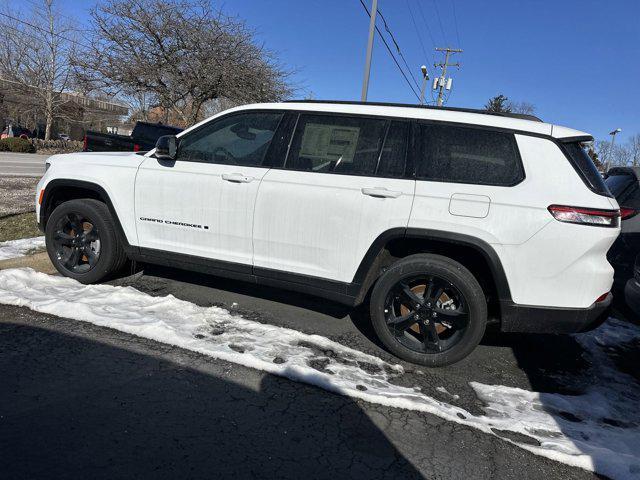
(142, 138)
(16, 131)
(632, 290)
(64, 137)
(624, 184)
(441, 219)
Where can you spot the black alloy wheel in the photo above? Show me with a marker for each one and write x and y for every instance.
(83, 242)
(426, 314)
(428, 309)
(76, 242)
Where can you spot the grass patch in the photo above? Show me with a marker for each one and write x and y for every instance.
(19, 226)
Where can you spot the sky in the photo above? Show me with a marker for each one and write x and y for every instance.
(576, 61)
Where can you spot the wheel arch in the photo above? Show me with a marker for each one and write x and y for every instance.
(476, 254)
(60, 190)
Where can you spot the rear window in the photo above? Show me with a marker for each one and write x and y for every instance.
(468, 155)
(580, 159)
(618, 184)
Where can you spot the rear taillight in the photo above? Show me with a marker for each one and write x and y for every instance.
(84, 144)
(626, 213)
(602, 297)
(136, 147)
(586, 216)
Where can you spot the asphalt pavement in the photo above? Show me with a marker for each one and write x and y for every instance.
(82, 401)
(22, 164)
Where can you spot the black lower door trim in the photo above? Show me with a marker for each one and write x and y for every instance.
(340, 292)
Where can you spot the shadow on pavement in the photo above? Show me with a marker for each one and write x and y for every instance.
(287, 297)
(74, 408)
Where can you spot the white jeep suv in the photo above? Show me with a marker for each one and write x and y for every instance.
(442, 219)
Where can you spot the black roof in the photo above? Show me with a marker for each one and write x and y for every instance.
(521, 116)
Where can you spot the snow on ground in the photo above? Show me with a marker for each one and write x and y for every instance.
(21, 247)
(598, 431)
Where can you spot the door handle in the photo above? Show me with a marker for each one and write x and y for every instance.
(237, 178)
(381, 192)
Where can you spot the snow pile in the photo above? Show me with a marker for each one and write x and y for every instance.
(21, 247)
(597, 431)
(602, 424)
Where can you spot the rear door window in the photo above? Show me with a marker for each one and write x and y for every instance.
(468, 155)
(336, 144)
(349, 146)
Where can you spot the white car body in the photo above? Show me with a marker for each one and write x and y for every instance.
(320, 226)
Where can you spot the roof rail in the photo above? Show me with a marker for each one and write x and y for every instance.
(522, 116)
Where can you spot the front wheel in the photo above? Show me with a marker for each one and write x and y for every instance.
(429, 309)
(82, 242)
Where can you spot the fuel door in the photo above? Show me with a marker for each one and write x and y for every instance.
(469, 205)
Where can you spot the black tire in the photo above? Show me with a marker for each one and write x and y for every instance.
(97, 248)
(426, 341)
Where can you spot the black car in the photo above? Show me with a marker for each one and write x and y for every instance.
(632, 290)
(624, 184)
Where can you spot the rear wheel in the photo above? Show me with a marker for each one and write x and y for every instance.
(82, 242)
(429, 309)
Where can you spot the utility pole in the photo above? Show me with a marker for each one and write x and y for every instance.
(441, 82)
(367, 63)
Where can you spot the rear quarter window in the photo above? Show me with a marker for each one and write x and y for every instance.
(581, 161)
(468, 155)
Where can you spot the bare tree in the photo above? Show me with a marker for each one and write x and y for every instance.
(35, 54)
(180, 54)
(634, 149)
(621, 156)
(603, 150)
(524, 108)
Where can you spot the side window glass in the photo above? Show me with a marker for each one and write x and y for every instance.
(468, 155)
(336, 144)
(241, 139)
(394, 151)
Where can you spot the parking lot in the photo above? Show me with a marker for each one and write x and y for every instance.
(113, 398)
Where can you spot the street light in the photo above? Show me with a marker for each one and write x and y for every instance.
(613, 139)
(425, 77)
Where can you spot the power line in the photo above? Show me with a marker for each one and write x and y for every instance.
(426, 24)
(435, 6)
(415, 25)
(395, 43)
(455, 22)
(36, 27)
(59, 14)
(391, 52)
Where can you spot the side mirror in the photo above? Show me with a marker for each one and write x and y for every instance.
(167, 147)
